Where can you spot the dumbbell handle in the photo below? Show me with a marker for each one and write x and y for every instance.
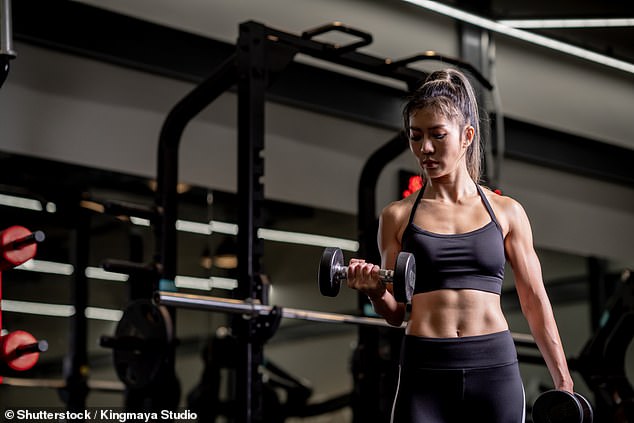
(385, 275)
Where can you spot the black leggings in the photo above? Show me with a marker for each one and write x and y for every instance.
(469, 379)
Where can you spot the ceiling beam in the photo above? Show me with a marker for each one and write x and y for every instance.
(87, 31)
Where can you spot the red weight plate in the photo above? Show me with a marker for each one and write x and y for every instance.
(14, 257)
(8, 345)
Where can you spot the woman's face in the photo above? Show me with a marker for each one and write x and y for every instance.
(438, 142)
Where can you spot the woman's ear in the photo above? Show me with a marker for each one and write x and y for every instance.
(469, 133)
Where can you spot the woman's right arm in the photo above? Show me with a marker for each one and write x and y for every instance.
(365, 276)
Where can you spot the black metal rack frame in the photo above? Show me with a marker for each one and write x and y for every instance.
(262, 53)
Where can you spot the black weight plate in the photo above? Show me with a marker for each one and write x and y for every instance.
(556, 406)
(404, 277)
(588, 414)
(329, 283)
(143, 336)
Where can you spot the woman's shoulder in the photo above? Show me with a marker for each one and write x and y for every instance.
(398, 210)
(500, 200)
(507, 209)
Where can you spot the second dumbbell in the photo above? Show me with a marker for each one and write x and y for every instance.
(332, 272)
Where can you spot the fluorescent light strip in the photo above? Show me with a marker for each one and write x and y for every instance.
(567, 23)
(20, 202)
(307, 239)
(223, 283)
(107, 314)
(99, 273)
(268, 234)
(205, 284)
(42, 309)
(139, 221)
(523, 35)
(59, 310)
(193, 227)
(190, 282)
(224, 228)
(43, 266)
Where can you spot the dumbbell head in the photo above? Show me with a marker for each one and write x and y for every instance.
(588, 414)
(404, 277)
(330, 272)
(557, 406)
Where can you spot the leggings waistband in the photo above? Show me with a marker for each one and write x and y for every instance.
(490, 350)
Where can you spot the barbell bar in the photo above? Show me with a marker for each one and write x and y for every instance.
(229, 305)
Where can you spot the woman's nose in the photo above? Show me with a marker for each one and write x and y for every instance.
(427, 147)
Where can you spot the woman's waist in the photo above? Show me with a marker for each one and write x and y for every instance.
(478, 351)
(455, 313)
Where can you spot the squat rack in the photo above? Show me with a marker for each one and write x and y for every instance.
(262, 53)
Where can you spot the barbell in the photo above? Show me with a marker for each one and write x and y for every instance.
(145, 333)
(228, 305)
(233, 306)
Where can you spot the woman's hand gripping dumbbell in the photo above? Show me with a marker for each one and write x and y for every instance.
(332, 272)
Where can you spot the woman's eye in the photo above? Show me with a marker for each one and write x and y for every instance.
(415, 137)
(439, 136)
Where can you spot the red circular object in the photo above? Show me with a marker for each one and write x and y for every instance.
(15, 257)
(8, 345)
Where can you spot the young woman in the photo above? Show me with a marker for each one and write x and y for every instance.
(458, 361)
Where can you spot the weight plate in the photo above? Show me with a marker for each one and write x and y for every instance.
(588, 414)
(404, 277)
(557, 406)
(10, 342)
(329, 283)
(11, 258)
(142, 341)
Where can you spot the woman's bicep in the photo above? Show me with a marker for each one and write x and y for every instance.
(388, 237)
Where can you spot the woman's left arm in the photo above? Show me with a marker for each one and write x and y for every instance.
(534, 301)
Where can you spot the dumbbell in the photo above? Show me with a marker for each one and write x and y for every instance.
(332, 272)
(556, 406)
(19, 350)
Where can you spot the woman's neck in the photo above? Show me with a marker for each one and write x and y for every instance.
(451, 189)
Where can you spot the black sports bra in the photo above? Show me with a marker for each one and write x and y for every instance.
(471, 260)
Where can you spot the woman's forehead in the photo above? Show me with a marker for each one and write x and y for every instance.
(430, 116)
